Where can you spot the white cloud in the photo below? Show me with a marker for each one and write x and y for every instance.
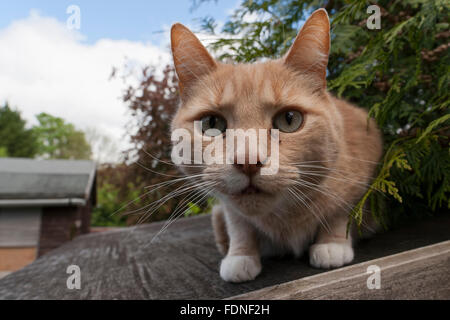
(45, 67)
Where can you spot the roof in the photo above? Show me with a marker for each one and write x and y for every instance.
(45, 182)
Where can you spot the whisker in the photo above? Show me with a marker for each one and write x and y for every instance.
(297, 197)
(340, 179)
(328, 193)
(186, 199)
(156, 172)
(173, 164)
(332, 170)
(343, 156)
(187, 177)
(186, 184)
(359, 184)
(171, 195)
(177, 215)
(319, 210)
(157, 185)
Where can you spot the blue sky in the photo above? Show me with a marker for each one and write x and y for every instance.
(48, 67)
(135, 20)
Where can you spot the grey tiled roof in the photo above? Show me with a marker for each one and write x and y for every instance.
(45, 179)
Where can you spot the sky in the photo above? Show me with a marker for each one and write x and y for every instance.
(134, 20)
(45, 66)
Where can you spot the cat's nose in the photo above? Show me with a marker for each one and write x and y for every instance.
(248, 168)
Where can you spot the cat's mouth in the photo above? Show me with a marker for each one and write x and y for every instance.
(249, 190)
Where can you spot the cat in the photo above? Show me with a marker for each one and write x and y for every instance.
(328, 151)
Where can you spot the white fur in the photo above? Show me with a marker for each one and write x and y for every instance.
(330, 255)
(240, 268)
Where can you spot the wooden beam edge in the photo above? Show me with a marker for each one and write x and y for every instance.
(302, 287)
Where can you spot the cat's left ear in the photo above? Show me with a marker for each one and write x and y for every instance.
(310, 50)
(191, 59)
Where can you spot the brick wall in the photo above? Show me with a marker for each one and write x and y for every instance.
(12, 259)
(58, 225)
(62, 224)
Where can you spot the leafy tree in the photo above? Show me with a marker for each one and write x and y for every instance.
(103, 146)
(104, 214)
(115, 190)
(400, 73)
(60, 140)
(15, 139)
(152, 100)
(3, 152)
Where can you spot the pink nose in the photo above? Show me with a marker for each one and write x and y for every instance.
(248, 168)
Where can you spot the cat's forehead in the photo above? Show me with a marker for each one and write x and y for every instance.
(247, 82)
(232, 84)
(260, 84)
(241, 81)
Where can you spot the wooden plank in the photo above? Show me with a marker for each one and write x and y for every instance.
(422, 273)
(182, 263)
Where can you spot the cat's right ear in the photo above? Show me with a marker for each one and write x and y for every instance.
(190, 57)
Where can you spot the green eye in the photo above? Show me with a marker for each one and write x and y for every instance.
(288, 121)
(213, 125)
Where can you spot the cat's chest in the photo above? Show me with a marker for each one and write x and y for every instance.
(291, 233)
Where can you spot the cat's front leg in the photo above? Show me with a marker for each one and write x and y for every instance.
(332, 248)
(242, 262)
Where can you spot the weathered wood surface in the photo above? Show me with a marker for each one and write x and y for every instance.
(422, 273)
(182, 263)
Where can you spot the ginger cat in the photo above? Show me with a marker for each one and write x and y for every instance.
(328, 151)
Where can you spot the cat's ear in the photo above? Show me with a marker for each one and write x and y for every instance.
(190, 57)
(309, 52)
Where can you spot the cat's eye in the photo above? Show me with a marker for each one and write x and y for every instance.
(288, 121)
(213, 125)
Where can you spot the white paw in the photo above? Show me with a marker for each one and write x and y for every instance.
(330, 255)
(240, 268)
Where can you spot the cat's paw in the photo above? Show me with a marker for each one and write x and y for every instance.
(240, 268)
(330, 255)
